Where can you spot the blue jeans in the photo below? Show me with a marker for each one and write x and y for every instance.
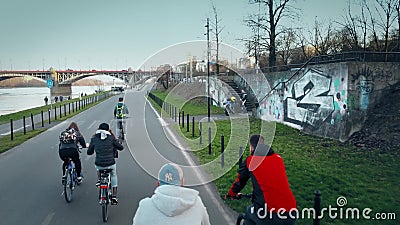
(114, 178)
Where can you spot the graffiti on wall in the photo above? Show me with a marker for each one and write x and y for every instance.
(365, 79)
(310, 102)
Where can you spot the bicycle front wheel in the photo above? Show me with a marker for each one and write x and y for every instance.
(68, 186)
(104, 206)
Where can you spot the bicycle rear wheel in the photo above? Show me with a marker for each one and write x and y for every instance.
(104, 205)
(68, 186)
(240, 219)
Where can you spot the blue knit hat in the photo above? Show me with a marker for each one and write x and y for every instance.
(170, 174)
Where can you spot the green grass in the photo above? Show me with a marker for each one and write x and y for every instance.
(194, 107)
(19, 138)
(366, 178)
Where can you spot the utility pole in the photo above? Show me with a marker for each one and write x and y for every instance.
(208, 69)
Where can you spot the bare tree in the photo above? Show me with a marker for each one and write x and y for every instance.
(349, 29)
(322, 37)
(217, 31)
(269, 22)
(286, 46)
(386, 21)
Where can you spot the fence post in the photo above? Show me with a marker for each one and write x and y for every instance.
(23, 121)
(55, 113)
(209, 139)
(201, 132)
(187, 122)
(41, 113)
(12, 129)
(193, 127)
(317, 206)
(175, 112)
(183, 119)
(240, 155)
(33, 124)
(222, 151)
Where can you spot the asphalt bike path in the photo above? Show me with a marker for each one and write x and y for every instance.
(31, 173)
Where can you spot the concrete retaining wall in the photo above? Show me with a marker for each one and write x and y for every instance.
(329, 100)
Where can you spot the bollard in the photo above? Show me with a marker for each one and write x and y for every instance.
(11, 130)
(49, 116)
(60, 112)
(41, 113)
(317, 206)
(23, 120)
(175, 113)
(33, 124)
(222, 151)
(183, 119)
(209, 139)
(55, 113)
(240, 155)
(65, 110)
(193, 127)
(201, 132)
(179, 118)
(69, 108)
(187, 122)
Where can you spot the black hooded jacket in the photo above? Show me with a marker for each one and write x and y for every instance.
(104, 149)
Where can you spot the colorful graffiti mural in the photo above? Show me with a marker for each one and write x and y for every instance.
(310, 101)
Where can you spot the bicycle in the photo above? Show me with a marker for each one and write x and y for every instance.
(121, 134)
(105, 192)
(242, 216)
(69, 180)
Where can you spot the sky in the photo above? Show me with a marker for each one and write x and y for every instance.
(118, 34)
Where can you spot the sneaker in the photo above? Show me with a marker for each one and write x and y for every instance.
(114, 201)
(98, 183)
(79, 180)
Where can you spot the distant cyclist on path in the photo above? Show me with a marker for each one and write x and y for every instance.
(120, 113)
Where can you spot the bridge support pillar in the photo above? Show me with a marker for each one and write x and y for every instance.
(61, 90)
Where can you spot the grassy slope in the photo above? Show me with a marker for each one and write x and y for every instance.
(367, 179)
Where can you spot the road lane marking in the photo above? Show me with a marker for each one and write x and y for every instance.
(18, 129)
(91, 125)
(48, 219)
(192, 163)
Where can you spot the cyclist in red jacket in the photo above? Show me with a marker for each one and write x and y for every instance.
(274, 202)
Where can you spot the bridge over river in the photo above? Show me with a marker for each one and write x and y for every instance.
(63, 79)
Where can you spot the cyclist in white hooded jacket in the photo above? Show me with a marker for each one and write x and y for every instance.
(171, 203)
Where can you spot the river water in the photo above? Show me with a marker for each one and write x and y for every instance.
(17, 99)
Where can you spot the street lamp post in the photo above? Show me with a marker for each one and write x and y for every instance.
(208, 85)
(208, 69)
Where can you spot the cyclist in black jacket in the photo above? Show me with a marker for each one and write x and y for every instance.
(71, 150)
(104, 144)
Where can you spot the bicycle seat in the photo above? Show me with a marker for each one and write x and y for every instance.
(105, 171)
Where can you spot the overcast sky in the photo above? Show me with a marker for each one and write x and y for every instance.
(104, 34)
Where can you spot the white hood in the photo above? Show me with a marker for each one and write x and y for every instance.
(174, 200)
